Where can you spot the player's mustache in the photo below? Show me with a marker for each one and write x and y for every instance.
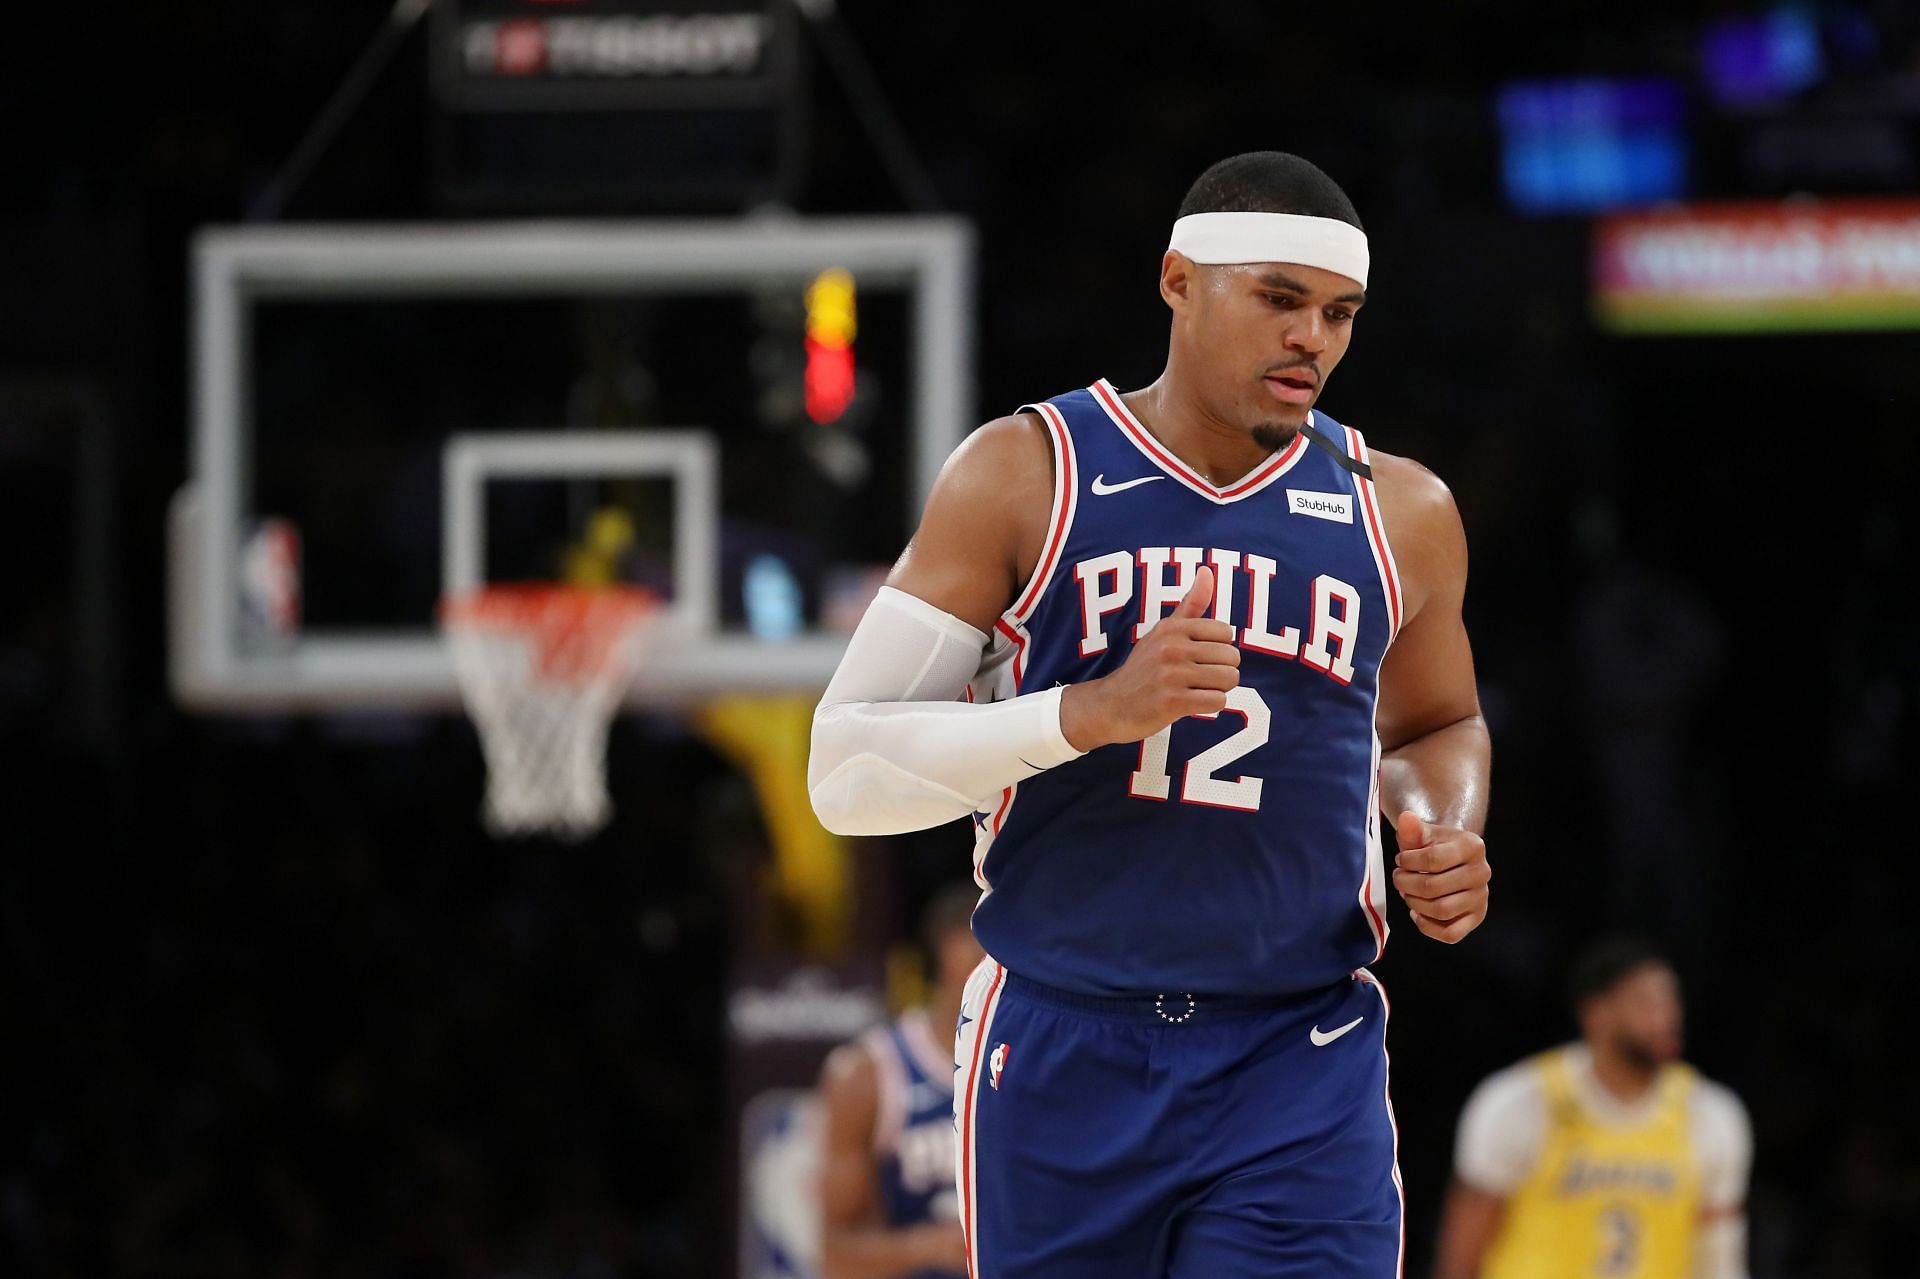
(1307, 363)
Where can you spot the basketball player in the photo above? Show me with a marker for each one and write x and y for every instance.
(1605, 1157)
(887, 1204)
(1173, 651)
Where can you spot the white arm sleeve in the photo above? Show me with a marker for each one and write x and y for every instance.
(1501, 1131)
(1723, 1138)
(893, 748)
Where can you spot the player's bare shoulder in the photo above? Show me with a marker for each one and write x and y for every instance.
(1412, 497)
(1006, 462)
(1423, 528)
(981, 532)
(849, 1078)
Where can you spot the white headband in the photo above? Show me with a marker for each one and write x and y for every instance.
(1327, 243)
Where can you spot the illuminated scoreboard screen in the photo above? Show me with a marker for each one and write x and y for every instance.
(616, 103)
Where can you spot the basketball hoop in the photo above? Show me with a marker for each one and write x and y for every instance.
(542, 669)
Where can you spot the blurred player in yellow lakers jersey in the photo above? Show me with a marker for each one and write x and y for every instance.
(1606, 1157)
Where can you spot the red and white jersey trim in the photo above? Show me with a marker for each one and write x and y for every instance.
(1066, 496)
(970, 1048)
(1161, 456)
(1386, 1095)
(1004, 667)
(1373, 884)
(1377, 535)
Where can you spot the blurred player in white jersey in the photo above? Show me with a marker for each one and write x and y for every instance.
(1605, 1157)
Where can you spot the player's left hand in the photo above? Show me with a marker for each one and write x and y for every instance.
(1442, 875)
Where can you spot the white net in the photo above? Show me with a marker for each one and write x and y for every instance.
(543, 669)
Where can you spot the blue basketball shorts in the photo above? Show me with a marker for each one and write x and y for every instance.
(1136, 1138)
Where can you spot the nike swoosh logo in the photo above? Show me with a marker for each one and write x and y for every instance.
(1101, 488)
(1322, 1038)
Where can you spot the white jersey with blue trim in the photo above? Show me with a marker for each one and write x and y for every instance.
(1229, 854)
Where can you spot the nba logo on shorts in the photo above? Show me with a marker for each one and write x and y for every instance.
(995, 1064)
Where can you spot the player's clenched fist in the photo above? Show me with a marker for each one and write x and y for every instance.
(1184, 666)
(1442, 875)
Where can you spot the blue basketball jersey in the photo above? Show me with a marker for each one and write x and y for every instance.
(1232, 854)
(913, 1136)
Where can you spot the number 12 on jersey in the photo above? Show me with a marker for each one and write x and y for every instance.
(1199, 785)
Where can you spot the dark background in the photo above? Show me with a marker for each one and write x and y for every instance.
(272, 1005)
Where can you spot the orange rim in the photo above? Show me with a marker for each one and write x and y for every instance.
(577, 632)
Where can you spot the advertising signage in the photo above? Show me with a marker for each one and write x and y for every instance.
(627, 105)
(531, 55)
(1779, 266)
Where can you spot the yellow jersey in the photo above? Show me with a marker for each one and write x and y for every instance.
(1604, 1198)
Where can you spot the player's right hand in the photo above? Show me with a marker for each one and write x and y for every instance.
(1184, 666)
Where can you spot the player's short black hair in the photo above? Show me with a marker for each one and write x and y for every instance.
(1268, 182)
(1608, 962)
(949, 909)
